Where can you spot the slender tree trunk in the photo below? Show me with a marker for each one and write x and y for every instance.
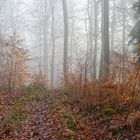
(66, 36)
(112, 34)
(95, 36)
(123, 38)
(113, 26)
(91, 38)
(53, 47)
(105, 51)
(45, 56)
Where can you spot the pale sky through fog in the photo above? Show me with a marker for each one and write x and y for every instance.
(30, 22)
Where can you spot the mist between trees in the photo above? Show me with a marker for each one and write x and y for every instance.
(63, 37)
(87, 50)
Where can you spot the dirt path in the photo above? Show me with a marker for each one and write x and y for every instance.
(38, 126)
(58, 117)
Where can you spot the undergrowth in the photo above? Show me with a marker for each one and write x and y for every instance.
(105, 100)
(70, 122)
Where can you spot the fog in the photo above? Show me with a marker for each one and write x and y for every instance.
(42, 27)
(69, 69)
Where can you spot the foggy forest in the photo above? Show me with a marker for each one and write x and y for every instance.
(69, 69)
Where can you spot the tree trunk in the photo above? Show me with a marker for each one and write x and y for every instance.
(123, 38)
(105, 51)
(112, 35)
(113, 26)
(66, 36)
(95, 36)
(90, 34)
(45, 55)
(53, 43)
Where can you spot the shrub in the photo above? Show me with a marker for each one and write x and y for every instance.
(70, 122)
(91, 108)
(65, 91)
(38, 80)
(109, 112)
(13, 120)
(133, 121)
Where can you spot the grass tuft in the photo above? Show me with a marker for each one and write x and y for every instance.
(70, 122)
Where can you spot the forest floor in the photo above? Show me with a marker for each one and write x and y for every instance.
(53, 115)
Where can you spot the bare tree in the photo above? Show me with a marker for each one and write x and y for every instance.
(45, 32)
(96, 6)
(113, 25)
(123, 37)
(105, 51)
(90, 14)
(52, 5)
(66, 36)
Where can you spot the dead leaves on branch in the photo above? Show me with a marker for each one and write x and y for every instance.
(14, 63)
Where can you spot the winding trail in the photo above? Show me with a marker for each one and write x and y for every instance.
(39, 123)
(50, 119)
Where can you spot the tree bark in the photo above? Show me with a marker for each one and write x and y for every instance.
(105, 51)
(123, 38)
(45, 55)
(53, 43)
(66, 36)
(95, 36)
